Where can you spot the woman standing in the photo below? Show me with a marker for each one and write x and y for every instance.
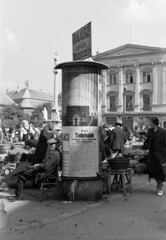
(156, 142)
(42, 146)
(26, 131)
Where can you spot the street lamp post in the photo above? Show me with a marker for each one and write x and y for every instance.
(124, 107)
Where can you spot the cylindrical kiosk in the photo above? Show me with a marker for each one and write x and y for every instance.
(81, 119)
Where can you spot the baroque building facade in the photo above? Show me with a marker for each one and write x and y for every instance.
(140, 72)
(29, 99)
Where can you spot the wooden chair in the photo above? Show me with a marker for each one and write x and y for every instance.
(7, 167)
(51, 181)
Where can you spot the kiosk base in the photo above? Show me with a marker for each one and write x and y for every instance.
(81, 188)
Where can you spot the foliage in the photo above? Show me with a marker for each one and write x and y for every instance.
(143, 121)
(11, 115)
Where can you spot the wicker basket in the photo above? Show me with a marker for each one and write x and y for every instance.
(119, 163)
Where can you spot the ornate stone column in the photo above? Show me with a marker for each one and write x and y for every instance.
(120, 89)
(154, 77)
(164, 84)
(55, 109)
(137, 89)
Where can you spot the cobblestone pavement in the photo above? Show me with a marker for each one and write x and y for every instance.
(140, 215)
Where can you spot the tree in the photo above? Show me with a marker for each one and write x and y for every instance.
(143, 122)
(11, 115)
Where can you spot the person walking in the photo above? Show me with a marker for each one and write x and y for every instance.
(156, 143)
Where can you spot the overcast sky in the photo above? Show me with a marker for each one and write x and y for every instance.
(33, 30)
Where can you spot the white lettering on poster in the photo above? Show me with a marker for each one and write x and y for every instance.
(81, 152)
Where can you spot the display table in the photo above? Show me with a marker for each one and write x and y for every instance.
(138, 153)
(119, 180)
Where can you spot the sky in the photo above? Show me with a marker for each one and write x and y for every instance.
(32, 31)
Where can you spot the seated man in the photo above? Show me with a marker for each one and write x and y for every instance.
(39, 171)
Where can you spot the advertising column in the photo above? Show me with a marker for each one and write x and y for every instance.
(81, 117)
(80, 121)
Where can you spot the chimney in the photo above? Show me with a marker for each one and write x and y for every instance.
(18, 88)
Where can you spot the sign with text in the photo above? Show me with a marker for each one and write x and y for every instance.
(82, 43)
(80, 151)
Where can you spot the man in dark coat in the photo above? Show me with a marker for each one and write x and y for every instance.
(119, 140)
(164, 125)
(39, 172)
(156, 143)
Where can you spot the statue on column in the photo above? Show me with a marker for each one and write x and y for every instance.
(45, 113)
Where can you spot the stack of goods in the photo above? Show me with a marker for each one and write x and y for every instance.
(16, 154)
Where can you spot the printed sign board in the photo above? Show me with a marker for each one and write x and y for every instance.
(80, 151)
(82, 43)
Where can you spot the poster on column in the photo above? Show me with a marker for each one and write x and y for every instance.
(80, 151)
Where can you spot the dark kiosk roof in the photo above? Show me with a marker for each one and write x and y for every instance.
(81, 63)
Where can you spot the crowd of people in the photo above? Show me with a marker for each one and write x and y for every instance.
(47, 155)
(47, 141)
(113, 140)
(23, 132)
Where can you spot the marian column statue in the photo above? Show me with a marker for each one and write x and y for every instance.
(55, 109)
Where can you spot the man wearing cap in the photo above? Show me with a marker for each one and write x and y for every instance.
(38, 172)
(119, 141)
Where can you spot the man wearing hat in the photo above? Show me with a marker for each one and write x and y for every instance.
(119, 140)
(38, 172)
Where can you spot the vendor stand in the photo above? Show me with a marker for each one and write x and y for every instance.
(14, 155)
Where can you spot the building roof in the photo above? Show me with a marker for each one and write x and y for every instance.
(30, 99)
(129, 50)
(5, 99)
(31, 94)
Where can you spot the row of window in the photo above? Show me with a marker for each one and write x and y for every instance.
(129, 78)
(130, 102)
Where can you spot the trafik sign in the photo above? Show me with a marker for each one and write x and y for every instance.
(82, 43)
